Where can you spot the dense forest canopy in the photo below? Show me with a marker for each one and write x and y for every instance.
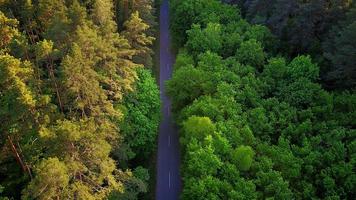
(325, 29)
(263, 92)
(78, 104)
(256, 122)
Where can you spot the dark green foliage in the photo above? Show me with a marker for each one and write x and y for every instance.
(340, 50)
(323, 29)
(299, 24)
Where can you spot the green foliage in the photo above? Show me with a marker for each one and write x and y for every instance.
(251, 53)
(201, 161)
(197, 127)
(255, 126)
(8, 31)
(188, 12)
(243, 157)
(208, 39)
(340, 51)
(1, 197)
(134, 183)
(188, 90)
(50, 182)
(48, 11)
(146, 9)
(300, 25)
(82, 85)
(141, 120)
(303, 67)
(183, 59)
(134, 32)
(69, 81)
(322, 29)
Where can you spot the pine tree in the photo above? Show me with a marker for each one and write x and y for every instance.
(134, 32)
(85, 96)
(17, 106)
(45, 56)
(8, 30)
(50, 12)
(78, 164)
(147, 12)
(146, 9)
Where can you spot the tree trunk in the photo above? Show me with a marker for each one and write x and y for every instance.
(24, 166)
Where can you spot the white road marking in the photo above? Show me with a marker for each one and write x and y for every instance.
(169, 140)
(169, 179)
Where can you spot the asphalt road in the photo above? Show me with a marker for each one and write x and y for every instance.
(168, 184)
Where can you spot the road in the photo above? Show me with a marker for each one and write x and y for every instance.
(168, 184)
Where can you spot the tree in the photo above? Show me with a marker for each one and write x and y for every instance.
(50, 12)
(206, 188)
(251, 53)
(1, 197)
(134, 182)
(79, 155)
(217, 109)
(45, 55)
(273, 185)
(252, 130)
(188, 90)
(141, 116)
(134, 32)
(17, 106)
(243, 157)
(183, 59)
(188, 12)
(85, 96)
(77, 15)
(202, 40)
(201, 161)
(103, 15)
(340, 51)
(303, 67)
(301, 25)
(198, 128)
(70, 53)
(8, 31)
(274, 73)
(145, 8)
(51, 180)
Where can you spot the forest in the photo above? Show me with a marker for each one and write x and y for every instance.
(79, 106)
(263, 93)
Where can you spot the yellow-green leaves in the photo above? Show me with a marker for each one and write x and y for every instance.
(85, 94)
(198, 127)
(15, 78)
(135, 33)
(51, 181)
(43, 49)
(8, 30)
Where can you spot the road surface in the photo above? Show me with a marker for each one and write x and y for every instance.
(168, 184)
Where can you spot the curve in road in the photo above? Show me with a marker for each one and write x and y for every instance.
(168, 184)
